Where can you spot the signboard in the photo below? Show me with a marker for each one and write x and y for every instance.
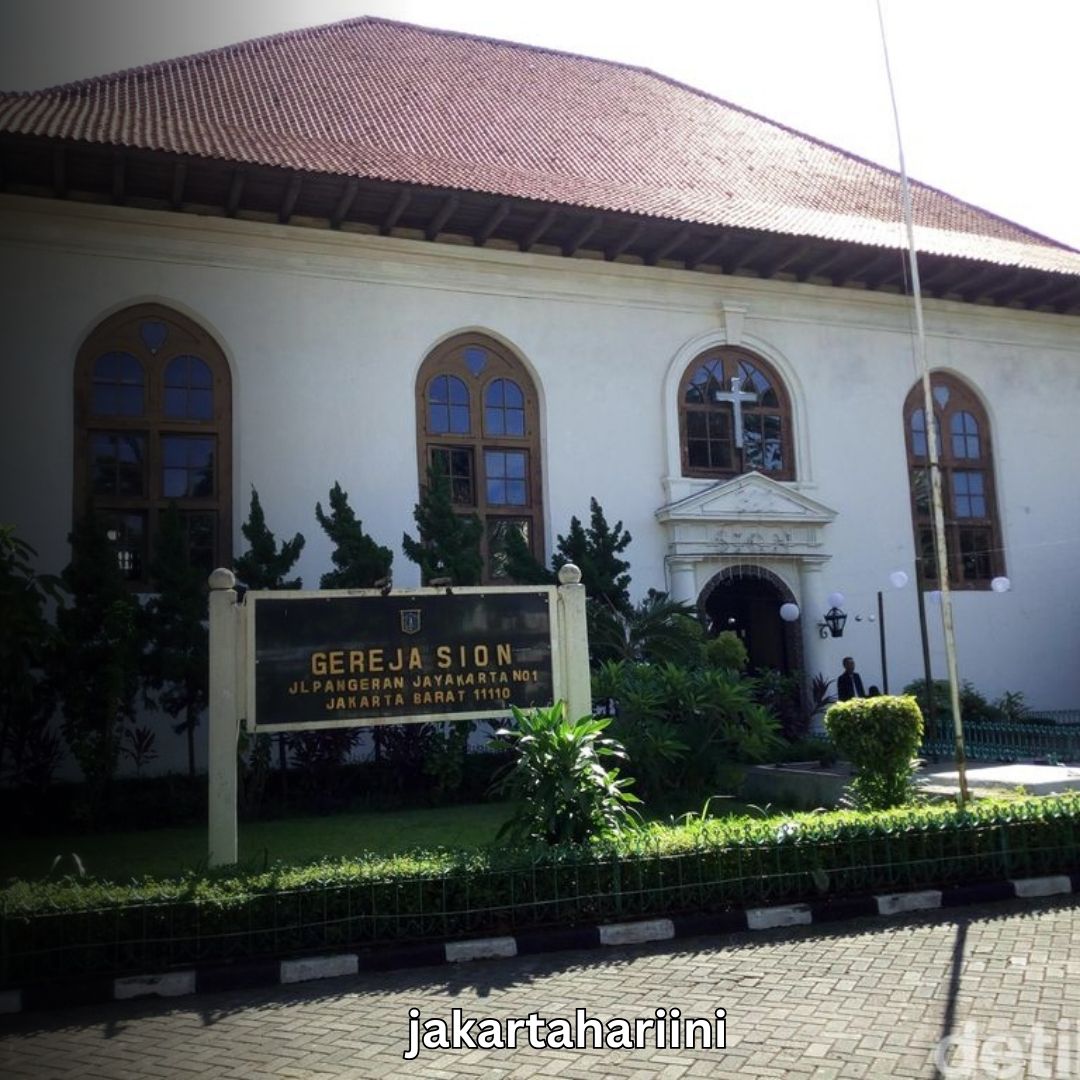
(336, 659)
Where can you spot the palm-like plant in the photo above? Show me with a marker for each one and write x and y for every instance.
(565, 792)
(658, 629)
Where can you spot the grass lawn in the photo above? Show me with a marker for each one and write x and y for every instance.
(163, 853)
(168, 852)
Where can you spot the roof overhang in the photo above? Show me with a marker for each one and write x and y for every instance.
(68, 169)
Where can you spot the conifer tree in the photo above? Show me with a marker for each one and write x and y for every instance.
(178, 656)
(96, 659)
(361, 563)
(27, 699)
(449, 544)
(522, 566)
(595, 551)
(264, 565)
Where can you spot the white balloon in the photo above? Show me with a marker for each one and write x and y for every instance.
(898, 578)
(789, 612)
(836, 599)
(1001, 584)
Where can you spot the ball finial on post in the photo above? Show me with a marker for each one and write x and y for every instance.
(569, 574)
(222, 578)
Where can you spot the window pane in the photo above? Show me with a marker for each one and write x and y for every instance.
(116, 463)
(925, 555)
(117, 385)
(200, 529)
(188, 393)
(127, 535)
(504, 412)
(976, 562)
(497, 531)
(175, 401)
(773, 450)
(505, 471)
(965, 436)
(920, 491)
(475, 358)
(918, 433)
(457, 464)
(969, 499)
(448, 406)
(187, 466)
(752, 451)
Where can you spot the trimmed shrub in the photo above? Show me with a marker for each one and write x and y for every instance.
(880, 737)
(83, 927)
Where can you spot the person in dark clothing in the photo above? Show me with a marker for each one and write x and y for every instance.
(849, 684)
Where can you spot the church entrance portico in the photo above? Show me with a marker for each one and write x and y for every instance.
(740, 549)
(746, 600)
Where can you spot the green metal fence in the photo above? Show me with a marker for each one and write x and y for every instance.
(579, 889)
(1054, 742)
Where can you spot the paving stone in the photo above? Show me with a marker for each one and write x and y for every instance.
(850, 1000)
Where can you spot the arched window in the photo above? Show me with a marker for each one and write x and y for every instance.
(962, 435)
(477, 416)
(734, 417)
(153, 407)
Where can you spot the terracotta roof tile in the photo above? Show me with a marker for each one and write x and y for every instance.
(385, 100)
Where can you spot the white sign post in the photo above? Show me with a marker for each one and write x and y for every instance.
(234, 690)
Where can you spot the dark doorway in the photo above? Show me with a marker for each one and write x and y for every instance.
(750, 606)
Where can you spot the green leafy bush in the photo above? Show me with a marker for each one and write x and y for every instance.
(565, 793)
(727, 651)
(880, 736)
(684, 727)
(82, 926)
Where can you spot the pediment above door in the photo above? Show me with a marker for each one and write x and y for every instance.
(749, 515)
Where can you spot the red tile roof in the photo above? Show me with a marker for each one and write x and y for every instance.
(385, 100)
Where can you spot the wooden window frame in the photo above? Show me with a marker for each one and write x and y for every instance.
(961, 399)
(731, 357)
(449, 359)
(120, 332)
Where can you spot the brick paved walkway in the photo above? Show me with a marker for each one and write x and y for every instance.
(869, 998)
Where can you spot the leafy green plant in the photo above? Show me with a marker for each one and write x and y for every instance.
(564, 790)
(449, 544)
(658, 629)
(444, 758)
(684, 727)
(726, 651)
(96, 656)
(29, 752)
(880, 736)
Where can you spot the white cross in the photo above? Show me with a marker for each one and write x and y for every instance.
(736, 396)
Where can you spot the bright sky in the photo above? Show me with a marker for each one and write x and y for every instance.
(987, 89)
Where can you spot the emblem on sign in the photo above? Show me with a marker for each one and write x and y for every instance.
(410, 621)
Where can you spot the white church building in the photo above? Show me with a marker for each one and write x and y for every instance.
(340, 253)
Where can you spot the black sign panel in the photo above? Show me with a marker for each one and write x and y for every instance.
(388, 659)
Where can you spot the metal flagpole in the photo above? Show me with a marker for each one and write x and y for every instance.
(932, 435)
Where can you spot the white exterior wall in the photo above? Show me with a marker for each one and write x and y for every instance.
(325, 333)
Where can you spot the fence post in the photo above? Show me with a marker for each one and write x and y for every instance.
(223, 719)
(574, 643)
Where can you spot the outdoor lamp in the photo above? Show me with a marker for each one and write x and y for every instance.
(833, 622)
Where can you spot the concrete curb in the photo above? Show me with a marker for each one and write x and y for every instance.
(87, 991)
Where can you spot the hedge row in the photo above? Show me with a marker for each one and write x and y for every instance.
(80, 927)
